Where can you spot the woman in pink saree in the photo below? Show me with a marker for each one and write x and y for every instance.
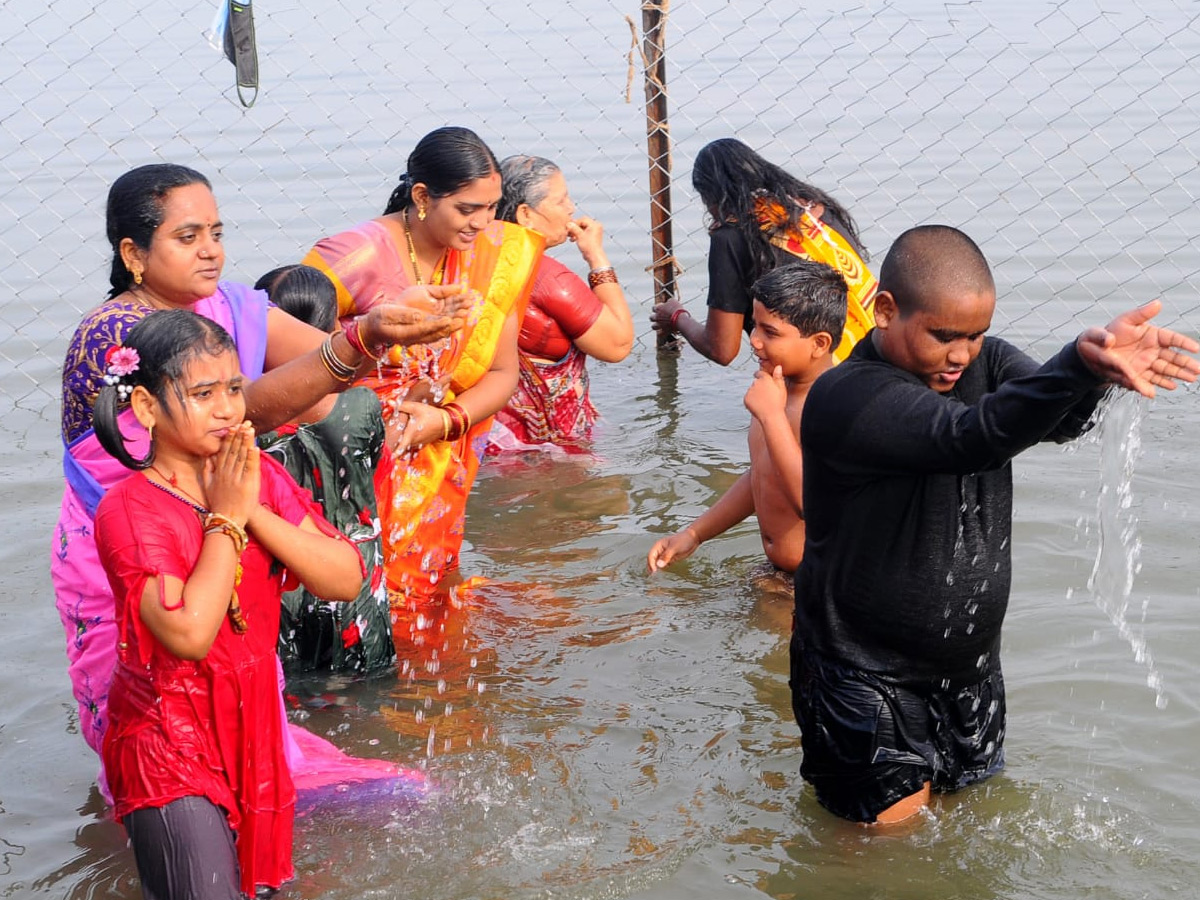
(165, 232)
(438, 227)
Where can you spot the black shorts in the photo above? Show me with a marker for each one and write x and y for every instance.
(869, 743)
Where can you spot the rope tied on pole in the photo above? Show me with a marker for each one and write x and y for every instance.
(658, 146)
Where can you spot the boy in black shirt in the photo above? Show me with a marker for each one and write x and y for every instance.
(902, 591)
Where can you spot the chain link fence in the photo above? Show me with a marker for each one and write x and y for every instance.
(1063, 136)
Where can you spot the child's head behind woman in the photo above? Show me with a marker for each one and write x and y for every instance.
(164, 346)
(303, 292)
(307, 294)
(807, 294)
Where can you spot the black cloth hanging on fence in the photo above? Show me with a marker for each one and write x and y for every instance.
(241, 50)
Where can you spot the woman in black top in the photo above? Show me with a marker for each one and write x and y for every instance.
(730, 179)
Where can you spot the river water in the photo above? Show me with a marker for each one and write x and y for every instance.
(588, 731)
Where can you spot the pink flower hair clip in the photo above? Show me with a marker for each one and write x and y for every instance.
(120, 362)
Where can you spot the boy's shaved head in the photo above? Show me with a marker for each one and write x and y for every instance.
(933, 261)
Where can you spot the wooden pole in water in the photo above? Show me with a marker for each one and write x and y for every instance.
(658, 145)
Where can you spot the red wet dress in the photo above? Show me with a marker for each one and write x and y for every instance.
(208, 728)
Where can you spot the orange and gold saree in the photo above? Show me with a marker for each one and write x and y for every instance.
(425, 504)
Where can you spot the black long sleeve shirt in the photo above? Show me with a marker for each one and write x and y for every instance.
(908, 505)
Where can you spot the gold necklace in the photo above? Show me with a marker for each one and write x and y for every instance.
(438, 270)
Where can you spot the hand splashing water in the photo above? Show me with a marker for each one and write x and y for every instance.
(1118, 557)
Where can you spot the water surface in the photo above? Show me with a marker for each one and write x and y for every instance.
(593, 732)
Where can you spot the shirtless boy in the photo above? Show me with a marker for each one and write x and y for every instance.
(798, 308)
(900, 597)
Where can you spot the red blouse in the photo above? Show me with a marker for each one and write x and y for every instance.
(561, 308)
(212, 727)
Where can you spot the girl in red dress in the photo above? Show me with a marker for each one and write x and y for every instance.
(197, 546)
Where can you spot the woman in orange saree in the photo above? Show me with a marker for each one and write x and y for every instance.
(438, 228)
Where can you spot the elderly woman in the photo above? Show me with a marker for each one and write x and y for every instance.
(762, 217)
(567, 320)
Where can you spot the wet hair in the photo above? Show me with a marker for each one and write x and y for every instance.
(165, 341)
(807, 294)
(932, 260)
(524, 180)
(303, 292)
(728, 175)
(445, 160)
(135, 210)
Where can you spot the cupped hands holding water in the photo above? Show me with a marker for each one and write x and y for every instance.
(1138, 356)
(419, 315)
(423, 423)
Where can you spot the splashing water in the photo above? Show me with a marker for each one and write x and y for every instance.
(1118, 557)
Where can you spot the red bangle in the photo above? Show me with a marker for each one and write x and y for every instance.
(460, 421)
(355, 339)
(675, 317)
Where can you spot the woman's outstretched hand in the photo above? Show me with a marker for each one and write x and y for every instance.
(661, 314)
(420, 315)
(1137, 355)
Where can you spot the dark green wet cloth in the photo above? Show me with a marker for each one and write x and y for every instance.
(335, 460)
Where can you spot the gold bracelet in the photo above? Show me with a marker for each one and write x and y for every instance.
(603, 275)
(354, 338)
(338, 370)
(217, 523)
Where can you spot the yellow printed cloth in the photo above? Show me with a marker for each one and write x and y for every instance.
(811, 238)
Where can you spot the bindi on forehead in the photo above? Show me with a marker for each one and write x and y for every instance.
(195, 225)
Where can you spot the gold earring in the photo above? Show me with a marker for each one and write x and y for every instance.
(421, 213)
(137, 276)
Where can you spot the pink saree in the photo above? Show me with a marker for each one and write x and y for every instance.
(84, 599)
(424, 507)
